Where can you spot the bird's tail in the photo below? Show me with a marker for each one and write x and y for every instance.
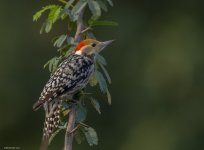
(51, 123)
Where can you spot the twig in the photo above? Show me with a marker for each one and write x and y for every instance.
(62, 1)
(72, 114)
(89, 28)
(75, 129)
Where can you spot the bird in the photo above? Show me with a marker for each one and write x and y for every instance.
(72, 75)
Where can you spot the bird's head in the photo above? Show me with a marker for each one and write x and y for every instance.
(90, 47)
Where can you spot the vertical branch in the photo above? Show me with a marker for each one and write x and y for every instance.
(72, 114)
(80, 26)
(70, 126)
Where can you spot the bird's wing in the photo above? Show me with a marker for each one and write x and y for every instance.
(71, 75)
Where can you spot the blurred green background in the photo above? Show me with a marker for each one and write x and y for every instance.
(156, 65)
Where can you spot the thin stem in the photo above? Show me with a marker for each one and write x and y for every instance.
(63, 1)
(85, 30)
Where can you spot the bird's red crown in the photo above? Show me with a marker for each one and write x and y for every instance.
(84, 43)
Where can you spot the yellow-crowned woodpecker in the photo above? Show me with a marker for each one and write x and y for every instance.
(71, 75)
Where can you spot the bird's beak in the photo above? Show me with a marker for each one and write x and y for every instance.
(102, 45)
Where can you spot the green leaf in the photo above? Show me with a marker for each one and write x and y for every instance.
(101, 59)
(79, 6)
(60, 40)
(106, 73)
(64, 12)
(48, 26)
(102, 82)
(95, 8)
(110, 2)
(91, 136)
(69, 3)
(69, 51)
(108, 96)
(76, 9)
(53, 63)
(102, 5)
(50, 65)
(47, 63)
(38, 14)
(96, 105)
(81, 113)
(52, 17)
(63, 48)
(79, 135)
(93, 80)
(70, 40)
(104, 23)
(54, 14)
(42, 27)
(73, 17)
(71, 25)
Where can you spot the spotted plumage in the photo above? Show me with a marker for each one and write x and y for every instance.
(71, 75)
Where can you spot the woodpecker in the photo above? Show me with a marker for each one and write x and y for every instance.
(71, 75)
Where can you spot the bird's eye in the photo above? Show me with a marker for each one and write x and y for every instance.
(93, 45)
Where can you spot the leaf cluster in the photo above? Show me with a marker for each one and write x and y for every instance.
(68, 11)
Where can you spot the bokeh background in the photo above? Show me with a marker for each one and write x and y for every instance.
(156, 65)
